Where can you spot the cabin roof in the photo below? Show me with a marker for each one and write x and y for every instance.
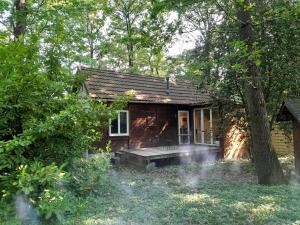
(106, 84)
(290, 110)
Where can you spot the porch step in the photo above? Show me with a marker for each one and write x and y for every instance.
(118, 158)
(119, 154)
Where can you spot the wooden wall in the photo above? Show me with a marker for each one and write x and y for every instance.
(235, 143)
(150, 125)
(296, 136)
(282, 144)
(236, 146)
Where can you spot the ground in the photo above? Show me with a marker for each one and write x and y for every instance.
(214, 193)
(221, 193)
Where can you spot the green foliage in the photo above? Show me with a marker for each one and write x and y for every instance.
(43, 186)
(41, 116)
(88, 175)
(213, 193)
(44, 124)
(217, 61)
(6, 210)
(34, 177)
(54, 203)
(138, 36)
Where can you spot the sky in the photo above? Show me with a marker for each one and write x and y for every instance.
(182, 42)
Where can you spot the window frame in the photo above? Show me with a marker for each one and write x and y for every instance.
(119, 124)
(202, 125)
(188, 126)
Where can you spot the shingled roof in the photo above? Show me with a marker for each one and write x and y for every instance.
(290, 109)
(106, 84)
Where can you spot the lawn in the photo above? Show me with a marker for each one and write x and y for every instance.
(216, 193)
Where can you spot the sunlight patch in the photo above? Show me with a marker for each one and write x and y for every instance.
(264, 209)
(195, 197)
(198, 198)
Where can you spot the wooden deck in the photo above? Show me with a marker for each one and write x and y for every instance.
(149, 157)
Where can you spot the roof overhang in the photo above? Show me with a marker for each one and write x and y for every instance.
(105, 85)
(200, 104)
(289, 110)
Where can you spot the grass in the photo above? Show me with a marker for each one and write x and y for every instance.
(220, 193)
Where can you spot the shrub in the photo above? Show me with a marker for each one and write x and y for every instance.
(38, 177)
(6, 209)
(42, 115)
(54, 203)
(88, 174)
(42, 186)
(43, 124)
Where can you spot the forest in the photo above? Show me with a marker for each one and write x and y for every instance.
(246, 52)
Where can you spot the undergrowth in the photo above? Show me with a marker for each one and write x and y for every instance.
(213, 193)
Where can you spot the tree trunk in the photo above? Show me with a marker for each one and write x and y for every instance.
(206, 55)
(129, 41)
(268, 168)
(19, 28)
(19, 25)
(130, 54)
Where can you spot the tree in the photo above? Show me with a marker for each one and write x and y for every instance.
(20, 15)
(203, 17)
(277, 31)
(267, 165)
(44, 124)
(272, 50)
(126, 19)
(137, 37)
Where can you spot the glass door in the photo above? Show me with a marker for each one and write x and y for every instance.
(183, 127)
(197, 126)
(206, 126)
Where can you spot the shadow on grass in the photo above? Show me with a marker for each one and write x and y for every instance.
(221, 193)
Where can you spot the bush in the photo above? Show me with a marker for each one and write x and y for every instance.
(48, 189)
(88, 174)
(42, 186)
(37, 177)
(6, 209)
(54, 204)
(43, 124)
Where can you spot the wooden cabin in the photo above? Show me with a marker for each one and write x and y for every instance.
(290, 111)
(164, 117)
(161, 113)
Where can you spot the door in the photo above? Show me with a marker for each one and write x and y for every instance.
(183, 127)
(197, 126)
(206, 126)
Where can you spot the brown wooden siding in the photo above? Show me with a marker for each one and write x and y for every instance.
(235, 143)
(282, 144)
(117, 143)
(150, 125)
(236, 146)
(296, 136)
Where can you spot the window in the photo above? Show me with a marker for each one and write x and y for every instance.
(119, 126)
(206, 126)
